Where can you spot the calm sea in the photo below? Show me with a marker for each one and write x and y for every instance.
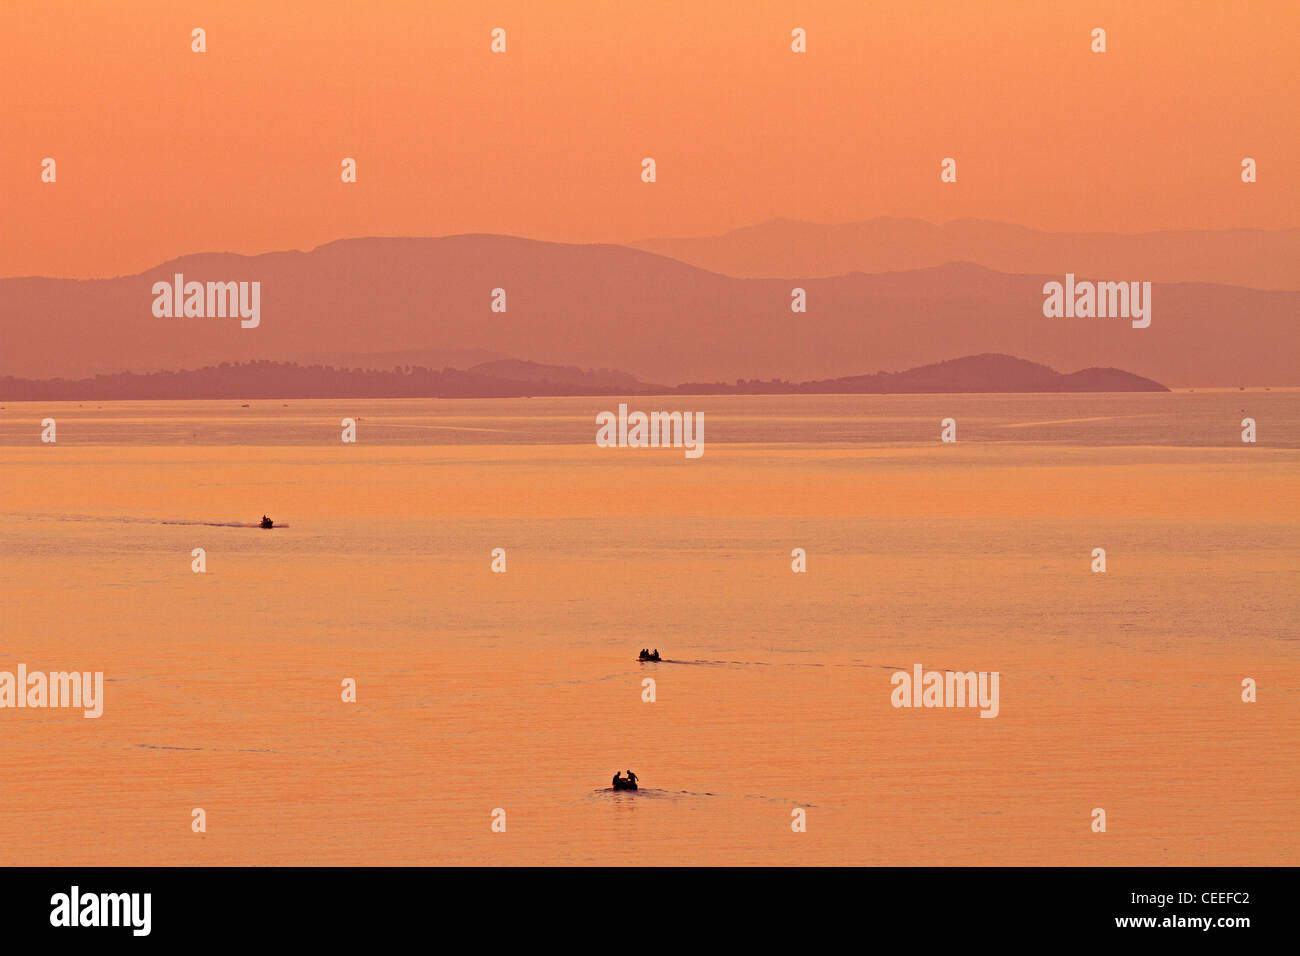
(519, 691)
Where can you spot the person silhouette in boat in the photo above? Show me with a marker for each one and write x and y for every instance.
(267, 522)
(618, 778)
(631, 777)
(655, 655)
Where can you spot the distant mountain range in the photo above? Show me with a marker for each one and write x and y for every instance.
(266, 380)
(379, 303)
(784, 248)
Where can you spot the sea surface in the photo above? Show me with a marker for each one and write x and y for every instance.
(520, 691)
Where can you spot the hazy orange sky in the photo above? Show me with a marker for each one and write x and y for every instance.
(163, 152)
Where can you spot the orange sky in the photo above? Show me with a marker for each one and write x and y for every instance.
(162, 151)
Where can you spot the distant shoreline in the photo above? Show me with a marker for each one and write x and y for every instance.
(265, 381)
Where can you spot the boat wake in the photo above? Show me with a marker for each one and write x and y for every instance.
(124, 519)
(711, 663)
(651, 792)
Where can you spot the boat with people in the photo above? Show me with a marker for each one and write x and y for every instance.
(646, 655)
(267, 522)
(625, 783)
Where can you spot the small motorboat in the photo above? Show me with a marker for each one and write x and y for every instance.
(623, 783)
(647, 656)
(267, 522)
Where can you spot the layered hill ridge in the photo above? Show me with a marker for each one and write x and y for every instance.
(610, 307)
(780, 248)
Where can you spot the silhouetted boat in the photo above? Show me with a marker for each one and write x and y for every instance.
(649, 657)
(621, 783)
(267, 522)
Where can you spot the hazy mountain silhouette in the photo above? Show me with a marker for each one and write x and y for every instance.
(976, 373)
(1250, 258)
(601, 306)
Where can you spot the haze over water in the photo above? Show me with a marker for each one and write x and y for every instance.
(521, 690)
